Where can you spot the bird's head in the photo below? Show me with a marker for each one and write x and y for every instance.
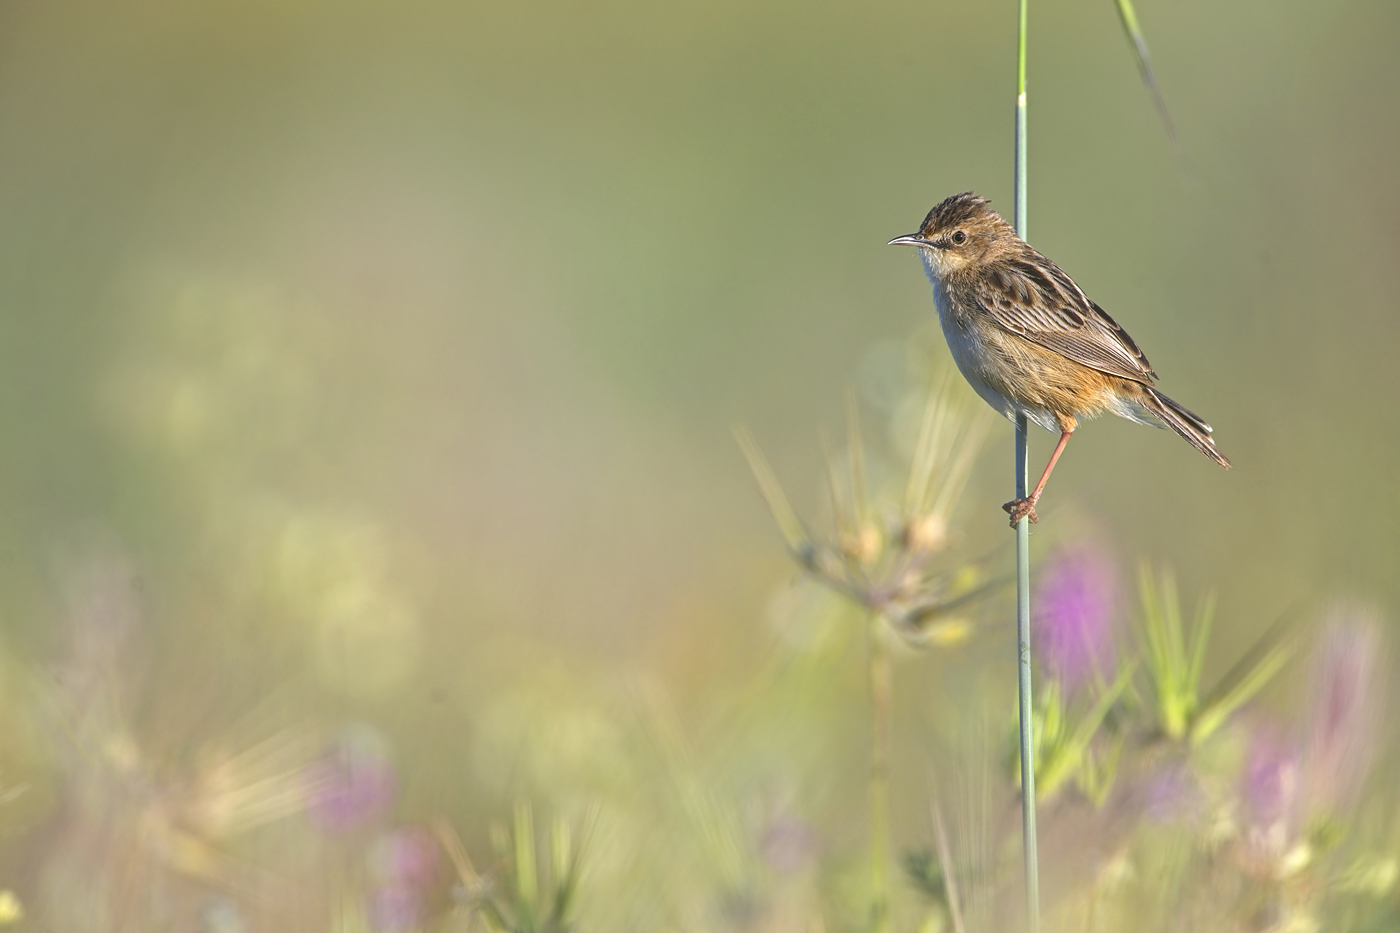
(961, 233)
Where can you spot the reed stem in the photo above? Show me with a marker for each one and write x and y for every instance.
(881, 711)
(1023, 558)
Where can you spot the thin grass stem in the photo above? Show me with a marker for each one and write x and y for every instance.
(1128, 17)
(1023, 559)
(945, 864)
(855, 453)
(881, 709)
(960, 470)
(788, 523)
(926, 449)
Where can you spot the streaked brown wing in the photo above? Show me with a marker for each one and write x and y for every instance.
(1037, 301)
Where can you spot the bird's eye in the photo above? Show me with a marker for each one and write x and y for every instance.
(959, 238)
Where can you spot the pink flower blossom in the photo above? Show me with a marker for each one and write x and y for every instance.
(1076, 612)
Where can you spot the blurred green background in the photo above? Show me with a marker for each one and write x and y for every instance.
(395, 348)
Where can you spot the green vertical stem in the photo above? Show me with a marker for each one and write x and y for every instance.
(1023, 543)
(1023, 654)
(1020, 190)
(881, 709)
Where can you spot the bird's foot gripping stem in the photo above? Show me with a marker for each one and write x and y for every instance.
(1021, 508)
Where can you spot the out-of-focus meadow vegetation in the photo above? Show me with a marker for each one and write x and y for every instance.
(376, 553)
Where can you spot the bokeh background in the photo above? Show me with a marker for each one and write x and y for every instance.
(367, 377)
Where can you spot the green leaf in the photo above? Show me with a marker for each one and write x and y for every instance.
(1066, 745)
(526, 881)
(1171, 675)
(1200, 634)
(1249, 675)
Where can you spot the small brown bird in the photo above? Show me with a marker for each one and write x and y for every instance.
(1029, 340)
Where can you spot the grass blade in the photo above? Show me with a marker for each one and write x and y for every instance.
(1128, 17)
(1249, 675)
(788, 523)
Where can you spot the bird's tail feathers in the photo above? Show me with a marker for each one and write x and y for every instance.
(1189, 425)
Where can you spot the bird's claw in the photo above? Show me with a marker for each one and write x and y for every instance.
(1019, 509)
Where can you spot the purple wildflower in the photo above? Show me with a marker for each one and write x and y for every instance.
(354, 783)
(1270, 777)
(1269, 794)
(404, 866)
(408, 855)
(788, 845)
(1343, 707)
(1076, 610)
(1171, 793)
(394, 908)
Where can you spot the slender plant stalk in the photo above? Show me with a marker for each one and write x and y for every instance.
(945, 864)
(881, 710)
(1128, 17)
(1023, 558)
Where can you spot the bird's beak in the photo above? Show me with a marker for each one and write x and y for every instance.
(912, 239)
